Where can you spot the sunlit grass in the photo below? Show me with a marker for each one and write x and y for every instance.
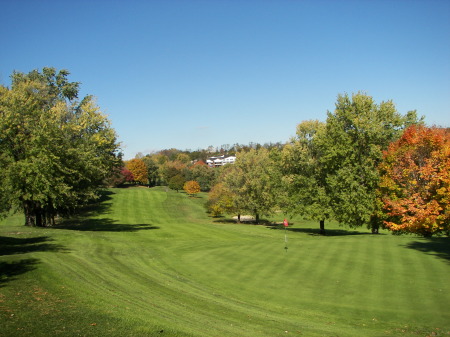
(152, 263)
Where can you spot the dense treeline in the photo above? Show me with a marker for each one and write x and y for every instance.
(224, 149)
(173, 167)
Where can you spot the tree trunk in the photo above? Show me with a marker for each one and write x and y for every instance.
(257, 218)
(39, 215)
(239, 218)
(49, 216)
(374, 224)
(29, 214)
(51, 219)
(322, 227)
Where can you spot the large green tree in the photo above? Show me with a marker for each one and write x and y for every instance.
(176, 182)
(355, 135)
(203, 174)
(171, 168)
(224, 196)
(55, 151)
(304, 176)
(152, 170)
(255, 182)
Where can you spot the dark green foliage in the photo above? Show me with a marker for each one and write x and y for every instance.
(203, 174)
(152, 168)
(304, 175)
(254, 183)
(331, 169)
(56, 84)
(356, 133)
(176, 182)
(55, 152)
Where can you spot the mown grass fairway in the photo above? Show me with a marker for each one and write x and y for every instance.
(152, 263)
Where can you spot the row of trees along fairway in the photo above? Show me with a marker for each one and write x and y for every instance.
(158, 169)
(55, 150)
(173, 167)
(330, 170)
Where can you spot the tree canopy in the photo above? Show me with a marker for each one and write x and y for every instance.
(304, 176)
(191, 187)
(254, 182)
(55, 152)
(176, 182)
(139, 170)
(355, 136)
(415, 183)
(331, 168)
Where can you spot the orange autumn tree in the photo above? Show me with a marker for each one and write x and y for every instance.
(191, 187)
(139, 170)
(415, 182)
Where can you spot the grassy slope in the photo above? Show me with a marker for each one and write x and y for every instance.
(151, 263)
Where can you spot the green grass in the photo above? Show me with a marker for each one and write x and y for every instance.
(151, 263)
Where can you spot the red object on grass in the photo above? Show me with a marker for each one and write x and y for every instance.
(285, 223)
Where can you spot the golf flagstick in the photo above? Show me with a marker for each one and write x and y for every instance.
(286, 224)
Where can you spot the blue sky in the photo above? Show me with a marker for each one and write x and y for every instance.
(190, 74)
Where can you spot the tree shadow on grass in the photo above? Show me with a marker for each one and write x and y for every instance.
(233, 221)
(244, 221)
(279, 226)
(10, 270)
(102, 225)
(11, 245)
(105, 195)
(100, 206)
(439, 247)
(87, 218)
(316, 231)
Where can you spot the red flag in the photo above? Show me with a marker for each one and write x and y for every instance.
(285, 223)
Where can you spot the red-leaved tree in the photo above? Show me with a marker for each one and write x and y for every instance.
(127, 175)
(415, 182)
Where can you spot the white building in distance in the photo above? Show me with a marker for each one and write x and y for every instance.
(220, 160)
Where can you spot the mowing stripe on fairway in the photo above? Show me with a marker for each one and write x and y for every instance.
(149, 261)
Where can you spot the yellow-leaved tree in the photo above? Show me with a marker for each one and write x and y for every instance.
(139, 170)
(191, 187)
